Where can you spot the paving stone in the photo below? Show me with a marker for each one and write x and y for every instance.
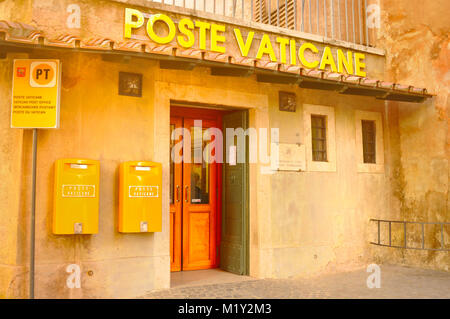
(396, 282)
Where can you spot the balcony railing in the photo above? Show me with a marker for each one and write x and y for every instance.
(345, 20)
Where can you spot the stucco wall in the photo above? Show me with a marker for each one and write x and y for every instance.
(11, 144)
(300, 223)
(415, 35)
(319, 220)
(316, 229)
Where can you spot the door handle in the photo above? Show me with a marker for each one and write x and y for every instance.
(186, 194)
(178, 193)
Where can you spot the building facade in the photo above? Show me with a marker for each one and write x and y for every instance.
(353, 99)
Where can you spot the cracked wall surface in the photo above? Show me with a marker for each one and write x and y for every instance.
(415, 36)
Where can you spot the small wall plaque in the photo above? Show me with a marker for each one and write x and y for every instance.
(288, 157)
(287, 101)
(130, 84)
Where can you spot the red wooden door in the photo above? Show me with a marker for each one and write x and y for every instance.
(200, 189)
(176, 184)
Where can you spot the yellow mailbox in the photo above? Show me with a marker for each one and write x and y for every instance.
(76, 196)
(140, 204)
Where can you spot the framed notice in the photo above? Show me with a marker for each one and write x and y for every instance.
(288, 157)
(36, 94)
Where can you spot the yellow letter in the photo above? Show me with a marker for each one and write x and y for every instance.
(293, 47)
(130, 24)
(283, 42)
(151, 32)
(203, 26)
(245, 48)
(359, 64)
(345, 62)
(301, 55)
(327, 58)
(217, 38)
(265, 47)
(185, 26)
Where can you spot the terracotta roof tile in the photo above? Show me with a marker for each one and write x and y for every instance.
(20, 32)
(65, 40)
(243, 61)
(418, 90)
(160, 49)
(133, 46)
(351, 79)
(24, 33)
(189, 53)
(401, 87)
(314, 73)
(295, 69)
(369, 82)
(386, 85)
(214, 56)
(333, 76)
(98, 44)
(266, 65)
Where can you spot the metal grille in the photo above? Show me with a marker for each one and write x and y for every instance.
(369, 141)
(420, 246)
(319, 138)
(344, 20)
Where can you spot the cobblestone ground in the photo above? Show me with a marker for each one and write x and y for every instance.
(396, 282)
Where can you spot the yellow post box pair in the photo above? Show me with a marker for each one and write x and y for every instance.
(76, 199)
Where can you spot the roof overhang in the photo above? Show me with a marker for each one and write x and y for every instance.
(19, 37)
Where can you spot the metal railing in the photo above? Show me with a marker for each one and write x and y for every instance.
(344, 20)
(405, 234)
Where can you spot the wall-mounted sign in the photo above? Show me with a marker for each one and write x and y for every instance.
(188, 33)
(287, 101)
(36, 94)
(290, 157)
(130, 84)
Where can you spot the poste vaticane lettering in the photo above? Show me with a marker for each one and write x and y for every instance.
(189, 33)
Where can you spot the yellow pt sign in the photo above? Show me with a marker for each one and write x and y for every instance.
(36, 94)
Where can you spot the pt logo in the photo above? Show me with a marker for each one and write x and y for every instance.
(21, 72)
(43, 75)
(374, 280)
(74, 279)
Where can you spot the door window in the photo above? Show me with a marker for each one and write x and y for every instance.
(199, 168)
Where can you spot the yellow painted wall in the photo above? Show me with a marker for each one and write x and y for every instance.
(11, 144)
(300, 223)
(319, 220)
(97, 123)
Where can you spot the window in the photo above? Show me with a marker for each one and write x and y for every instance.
(369, 141)
(319, 138)
(199, 168)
